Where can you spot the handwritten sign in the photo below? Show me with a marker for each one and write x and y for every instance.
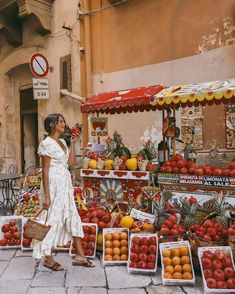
(140, 215)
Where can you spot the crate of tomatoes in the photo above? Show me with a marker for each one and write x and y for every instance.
(177, 266)
(217, 267)
(115, 246)
(143, 253)
(88, 241)
(10, 232)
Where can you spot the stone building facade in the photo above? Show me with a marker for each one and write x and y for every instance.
(26, 27)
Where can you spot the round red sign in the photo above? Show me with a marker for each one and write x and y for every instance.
(39, 65)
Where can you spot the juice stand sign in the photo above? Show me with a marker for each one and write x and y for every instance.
(99, 126)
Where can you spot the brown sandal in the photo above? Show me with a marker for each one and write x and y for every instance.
(56, 266)
(86, 263)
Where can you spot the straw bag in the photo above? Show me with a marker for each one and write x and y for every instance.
(35, 230)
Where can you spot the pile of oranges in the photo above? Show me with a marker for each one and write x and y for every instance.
(116, 246)
(177, 263)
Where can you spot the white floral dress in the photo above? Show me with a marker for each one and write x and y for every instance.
(62, 215)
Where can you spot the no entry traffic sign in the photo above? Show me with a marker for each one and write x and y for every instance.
(39, 65)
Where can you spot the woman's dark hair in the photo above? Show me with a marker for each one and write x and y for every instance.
(51, 121)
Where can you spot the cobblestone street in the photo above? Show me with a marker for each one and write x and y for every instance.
(21, 274)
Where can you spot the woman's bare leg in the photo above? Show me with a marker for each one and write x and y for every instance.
(80, 256)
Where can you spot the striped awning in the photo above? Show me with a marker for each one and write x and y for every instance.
(196, 94)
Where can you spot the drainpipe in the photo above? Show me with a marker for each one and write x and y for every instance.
(86, 65)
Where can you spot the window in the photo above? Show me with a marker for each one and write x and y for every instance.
(65, 73)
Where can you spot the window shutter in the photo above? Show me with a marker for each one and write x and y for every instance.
(65, 73)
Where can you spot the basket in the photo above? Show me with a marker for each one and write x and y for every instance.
(35, 230)
(200, 216)
(232, 246)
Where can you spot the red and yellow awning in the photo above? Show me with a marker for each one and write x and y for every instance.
(135, 99)
(195, 94)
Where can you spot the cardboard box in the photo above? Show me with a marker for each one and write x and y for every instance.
(115, 235)
(148, 240)
(228, 250)
(173, 281)
(15, 228)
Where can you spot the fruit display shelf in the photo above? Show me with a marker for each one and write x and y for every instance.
(115, 246)
(176, 261)
(11, 231)
(217, 267)
(143, 251)
(89, 241)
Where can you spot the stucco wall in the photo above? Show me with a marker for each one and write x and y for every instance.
(172, 42)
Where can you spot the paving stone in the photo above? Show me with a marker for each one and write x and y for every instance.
(197, 289)
(50, 290)
(7, 254)
(127, 291)
(157, 278)
(46, 279)
(20, 253)
(92, 290)
(164, 290)
(3, 266)
(20, 268)
(119, 278)
(78, 276)
(73, 290)
(14, 287)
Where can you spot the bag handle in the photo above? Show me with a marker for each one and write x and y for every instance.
(39, 213)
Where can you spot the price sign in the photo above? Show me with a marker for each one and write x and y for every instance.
(40, 89)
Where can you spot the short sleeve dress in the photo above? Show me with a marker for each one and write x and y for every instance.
(62, 215)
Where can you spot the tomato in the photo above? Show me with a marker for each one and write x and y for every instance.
(232, 165)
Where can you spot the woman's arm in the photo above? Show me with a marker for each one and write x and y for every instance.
(45, 180)
(72, 157)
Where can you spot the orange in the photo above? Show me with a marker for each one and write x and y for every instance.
(116, 257)
(116, 243)
(184, 251)
(167, 261)
(175, 260)
(187, 276)
(124, 243)
(124, 250)
(168, 275)
(108, 244)
(187, 268)
(108, 251)
(175, 252)
(108, 258)
(185, 259)
(115, 236)
(108, 237)
(123, 236)
(169, 269)
(178, 268)
(177, 275)
(124, 257)
(116, 251)
(166, 253)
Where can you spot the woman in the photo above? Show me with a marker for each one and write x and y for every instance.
(57, 195)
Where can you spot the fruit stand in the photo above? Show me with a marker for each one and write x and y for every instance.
(115, 178)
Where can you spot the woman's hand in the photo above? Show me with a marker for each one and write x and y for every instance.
(75, 137)
(46, 203)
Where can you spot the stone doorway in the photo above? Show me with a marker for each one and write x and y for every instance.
(29, 129)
